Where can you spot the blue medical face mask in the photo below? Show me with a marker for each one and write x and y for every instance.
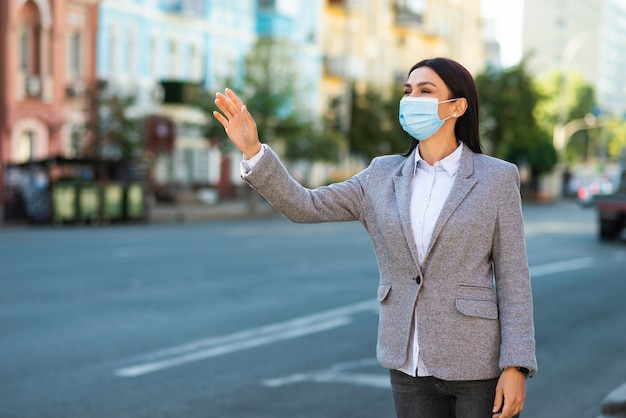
(419, 116)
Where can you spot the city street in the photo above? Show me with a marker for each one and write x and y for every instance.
(267, 319)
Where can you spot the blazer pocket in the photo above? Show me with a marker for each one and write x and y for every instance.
(480, 308)
(383, 291)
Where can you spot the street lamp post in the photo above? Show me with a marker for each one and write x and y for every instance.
(560, 136)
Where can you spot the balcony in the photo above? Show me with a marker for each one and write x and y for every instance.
(407, 17)
(274, 25)
(344, 67)
(74, 90)
(183, 7)
(180, 92)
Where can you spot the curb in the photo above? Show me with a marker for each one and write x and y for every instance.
(183, 213)
(201, 212)
(614, 404)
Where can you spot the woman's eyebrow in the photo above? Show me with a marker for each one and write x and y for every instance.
(422, 83)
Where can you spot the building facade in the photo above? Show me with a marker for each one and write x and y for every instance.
(583, 35)
(151, 49)
(373, 43)
(48, 63)
(161, 51)
(611, 89)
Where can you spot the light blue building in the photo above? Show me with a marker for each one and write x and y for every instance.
(611, 89)
(156, 49)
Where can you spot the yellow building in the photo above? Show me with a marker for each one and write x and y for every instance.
(373, 43)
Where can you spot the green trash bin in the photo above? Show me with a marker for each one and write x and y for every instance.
(112, 201)
(89, 202)
(135, 201)
(64, 202)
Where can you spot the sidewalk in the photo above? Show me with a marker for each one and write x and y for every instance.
(188, 212)
(195, 212)
(614, 404)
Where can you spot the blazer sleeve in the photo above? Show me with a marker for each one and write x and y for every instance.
(512, 278)
(338, 202)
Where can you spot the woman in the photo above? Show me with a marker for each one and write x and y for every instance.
(456, 325)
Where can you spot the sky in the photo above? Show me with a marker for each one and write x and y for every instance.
(508, 27)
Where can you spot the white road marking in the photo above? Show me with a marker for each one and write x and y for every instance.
(212, 347)
(561, 266)
(310, 324)
(337, 374)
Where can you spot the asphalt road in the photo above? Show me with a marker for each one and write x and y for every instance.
(264, 318)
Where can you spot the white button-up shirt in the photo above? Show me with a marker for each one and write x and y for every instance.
(430, 188)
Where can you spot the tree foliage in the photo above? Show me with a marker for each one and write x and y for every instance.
(510, 131)
(374, 127)
(616, 141)
(273, 95)
(117, 135)
(577, 97)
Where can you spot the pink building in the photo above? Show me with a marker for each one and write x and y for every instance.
(48, 50)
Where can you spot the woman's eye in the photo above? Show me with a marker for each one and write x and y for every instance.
(425, 91)
(407, 92)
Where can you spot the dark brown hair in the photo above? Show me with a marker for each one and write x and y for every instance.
(461, 84)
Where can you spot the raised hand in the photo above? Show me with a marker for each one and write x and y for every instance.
(237, 122)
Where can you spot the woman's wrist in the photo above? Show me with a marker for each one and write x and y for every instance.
(251, 152)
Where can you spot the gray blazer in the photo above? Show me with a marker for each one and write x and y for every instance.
(470, 326)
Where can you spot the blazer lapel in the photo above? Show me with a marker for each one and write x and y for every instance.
(461, 187)
(402, 184)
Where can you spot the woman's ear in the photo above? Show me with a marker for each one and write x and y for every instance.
(460, 106)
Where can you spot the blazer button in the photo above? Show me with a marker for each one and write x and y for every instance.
(418, 279)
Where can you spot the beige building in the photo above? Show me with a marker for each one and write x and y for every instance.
(587, 36)
(562, 34)
(373, 43)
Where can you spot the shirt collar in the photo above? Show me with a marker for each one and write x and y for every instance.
(450, 164)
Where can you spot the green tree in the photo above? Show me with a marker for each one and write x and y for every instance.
(566, 95)
(272, 93)
(616, 141)
(374, 127)
(117, 135)
(508, 100)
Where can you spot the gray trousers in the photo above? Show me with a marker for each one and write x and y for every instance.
(429, 397)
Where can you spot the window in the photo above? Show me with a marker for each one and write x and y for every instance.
(287, 7)
(75, 143)
(29, 40)
(26, 146)
(194, 7)
(131, 53)
(173, 52)
(24, 48)
(112, 51)
(154, 58)
(267, 4)
(417, 7)
(74, 55)
(29, 49)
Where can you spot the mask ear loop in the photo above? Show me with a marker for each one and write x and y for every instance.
(446, 101)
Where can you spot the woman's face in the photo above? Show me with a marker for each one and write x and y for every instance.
(424, 82)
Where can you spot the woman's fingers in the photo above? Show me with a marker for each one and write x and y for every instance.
(237, 122)
(235, 99)
(220, 118)
(225, 105)
(229, 103)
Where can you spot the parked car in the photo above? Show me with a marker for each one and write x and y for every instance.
(591, 188)
(612, 208)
